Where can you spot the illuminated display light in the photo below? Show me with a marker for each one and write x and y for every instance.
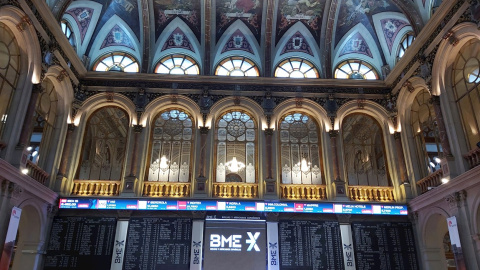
(239, 206)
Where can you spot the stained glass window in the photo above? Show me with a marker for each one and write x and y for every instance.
(237, 66)
(177, 65)
(118, 61)
(171, 147)
(355, 69)
(296, 68)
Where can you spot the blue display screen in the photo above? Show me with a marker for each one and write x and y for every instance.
(239, 206)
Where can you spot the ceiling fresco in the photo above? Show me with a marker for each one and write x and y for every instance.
(309, 12)
(167, 10)
(365, 29)
(248, 11)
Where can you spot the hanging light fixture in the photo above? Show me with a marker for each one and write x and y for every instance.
(234, 165)
(163, 163)
(304, 165)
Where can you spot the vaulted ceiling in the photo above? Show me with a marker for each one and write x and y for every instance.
(325, 32)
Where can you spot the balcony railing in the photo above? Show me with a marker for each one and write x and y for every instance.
(433, 180)
(473, 158)
(371, 194)
(166, 189)
(36, 173)
(235, 190)
(96, 188)
(303, 192)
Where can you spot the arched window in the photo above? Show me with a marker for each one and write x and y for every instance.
(44, 123)
(466, 89)
(9, 71)
(171, 147)
(118, 61)
(407, 40)
(235, 141)
(237, 66)
(296, 68)
(299, 147)
(67, 30)
(355, 69)
(435, 5)
(104, 145)
(424, 128)
(364, 151)
(177, 64)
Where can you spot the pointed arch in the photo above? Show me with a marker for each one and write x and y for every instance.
(394, 25)
(303, 30)
(375, 60)
(158, 54)
(84, 36)
(96, 50)
(240, 26)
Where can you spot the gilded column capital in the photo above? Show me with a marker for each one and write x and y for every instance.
(204, 130)
(137, 128)
(333, 133)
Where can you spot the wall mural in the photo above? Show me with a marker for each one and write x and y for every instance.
(309, 12)
(356, 44)
(353, 12)
(167, 10)
(83, 17)
(178, 39)
(297, 43)
(248, 11)
(117, 37)
(237, 41)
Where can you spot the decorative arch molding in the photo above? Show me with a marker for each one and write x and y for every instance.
(237, 103)
(370, 108)
(63, 88)
(96, 51)
(308, 106)
(98, 101)
(430, 222)
(405, 100)
(82, 45)
(390, 53)
(297, 27)
(238, 25)
(375, 61)
(164, 103)
(447, 53)
(174, 24)
(28, 41)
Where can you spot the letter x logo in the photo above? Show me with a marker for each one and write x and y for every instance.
(252, 241)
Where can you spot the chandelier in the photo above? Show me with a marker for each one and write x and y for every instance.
(234, 165)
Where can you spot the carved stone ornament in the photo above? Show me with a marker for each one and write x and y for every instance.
(109, 96)
(24, 23)
(455, 200)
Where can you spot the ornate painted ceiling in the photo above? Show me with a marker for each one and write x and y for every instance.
(324, 32)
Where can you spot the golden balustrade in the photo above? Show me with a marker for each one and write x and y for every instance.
(303, 192)
(473, 158)
(433, 180)
(96, 188)
(36, 172)
(166, 189)
(371, 193)
(235, 190)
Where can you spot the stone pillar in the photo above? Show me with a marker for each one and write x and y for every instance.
(27, 122)
(7, 188)
(402, 168)
(131, 179)
(339, 184)
(442, 131)
(201, 179)
(61, 179)
(62, 170)
(458, 200)
(270, 183)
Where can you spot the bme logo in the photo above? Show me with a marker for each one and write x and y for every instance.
(233, 242)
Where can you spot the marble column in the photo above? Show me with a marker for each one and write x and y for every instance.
(442, 131)
(339, 184)
(270, 183)
(131, 179)
(27, 122)
(62, 170)
(7, 188)
(201, 179)
(400, 158)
